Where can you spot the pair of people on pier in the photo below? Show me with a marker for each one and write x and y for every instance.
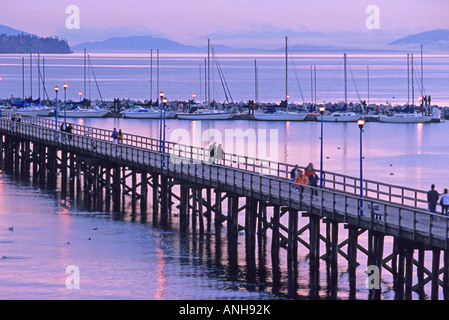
(117, 136)
(16, 119)
(66, 128)
(306, 177)
(216, 153)
(432, 198)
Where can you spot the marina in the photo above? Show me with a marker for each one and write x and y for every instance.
(423, 111)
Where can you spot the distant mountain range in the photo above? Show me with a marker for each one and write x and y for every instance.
(132, 44)
(425, 38)
(10, 31)
(146, 43)
(435, 39)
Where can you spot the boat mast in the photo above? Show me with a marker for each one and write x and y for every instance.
(84, 93)
(346, 82)
(286, 72)
(205, 81)
(408, 79)
(208, 70)
(23, 78)
(413, 85)
(314, 68)
(157, 75)
(31, 72)
(311, 84)
(43, 78)
(151, 76)
(256, 84)
(367, 75)
(39, 73)
(422, 77)
(201, 86)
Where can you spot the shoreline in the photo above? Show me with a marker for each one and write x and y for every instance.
(241, 109)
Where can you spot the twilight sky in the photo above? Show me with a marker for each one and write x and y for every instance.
(189, 21)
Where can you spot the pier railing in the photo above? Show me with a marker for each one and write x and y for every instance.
(372, 189)
(375, 214)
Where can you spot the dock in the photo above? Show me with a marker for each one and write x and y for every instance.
(240, 194)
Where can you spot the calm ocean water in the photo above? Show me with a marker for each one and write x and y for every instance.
(125, 258)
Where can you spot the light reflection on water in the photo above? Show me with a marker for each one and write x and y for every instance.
(126, 259)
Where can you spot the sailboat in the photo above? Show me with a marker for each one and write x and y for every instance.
(339, 117)
(343, 116)
(406, 118)
(143, 112)
(282, 115)
(410, 116)
(204, 111)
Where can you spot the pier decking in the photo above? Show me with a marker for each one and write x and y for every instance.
(203, 186)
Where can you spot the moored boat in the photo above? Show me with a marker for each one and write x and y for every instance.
(280, 116)
(205, 114)
(147, 114)
(339, 117)
(406, 118)
(84, 113)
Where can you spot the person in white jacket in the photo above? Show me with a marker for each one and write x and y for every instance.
(444, 201)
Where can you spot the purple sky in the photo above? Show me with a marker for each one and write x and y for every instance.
(186, 21)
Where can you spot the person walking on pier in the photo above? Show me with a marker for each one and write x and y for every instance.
(301, 180)
(444, 201)
(313, 182)
(309, 170)
(63, 129)
(69, 131)
(293, 174)
(120, 136)
(114, 136)
(432, 198)
(212, 152)
(13, 119)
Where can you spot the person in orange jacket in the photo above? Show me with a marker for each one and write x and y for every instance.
(301, 179)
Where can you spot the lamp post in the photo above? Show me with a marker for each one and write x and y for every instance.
(161, 95)
(361, 123)
(56, 113)
(162, 127)
(321, 154)
(65, 102)
(164, 103)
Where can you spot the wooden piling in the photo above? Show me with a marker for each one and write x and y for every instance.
(232, 218)
(116, 190)
(352, 259)
(409, 250)
(275, 231)
(155, 192)
(292, 242)
(435, 273)
(143, 194)
(183, 207)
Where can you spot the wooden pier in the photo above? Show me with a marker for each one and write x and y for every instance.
(241, 194)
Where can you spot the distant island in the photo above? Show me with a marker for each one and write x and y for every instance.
(23, 43)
